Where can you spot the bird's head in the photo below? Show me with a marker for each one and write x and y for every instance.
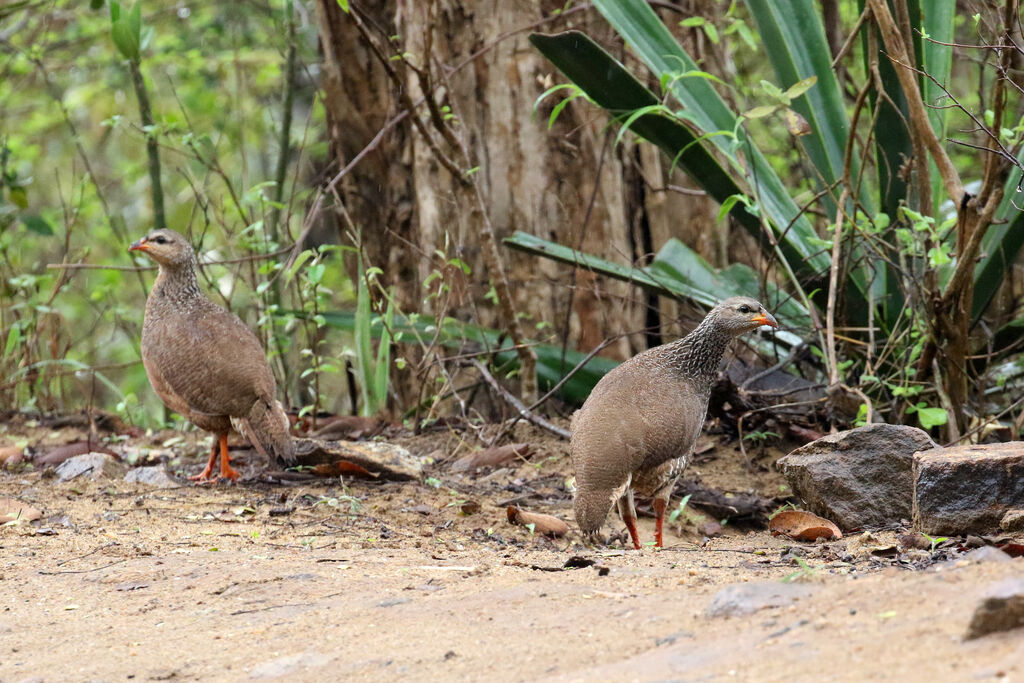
(741, 314)
(166, 247)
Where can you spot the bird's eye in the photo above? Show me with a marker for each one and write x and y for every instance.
(744, 309)
(160, 239)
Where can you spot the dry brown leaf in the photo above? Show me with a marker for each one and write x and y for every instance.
(343, 467)
(56, 456)
(801, 525)
(491, 457)
(796, 123)
(542, 524)
(11, 456)
(12, 510)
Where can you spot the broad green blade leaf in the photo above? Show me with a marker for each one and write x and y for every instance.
(382, 370)
(1000, 245)
(937, 59)
(612, 87)
(678, 272)
(654, 44)
(892, 148)
(363, 343)
(532, 244)
(794, 41)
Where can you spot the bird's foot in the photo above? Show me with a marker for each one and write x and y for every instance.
(204, 476)
(228, 472)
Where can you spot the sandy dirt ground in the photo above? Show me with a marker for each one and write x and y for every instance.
(357, 580)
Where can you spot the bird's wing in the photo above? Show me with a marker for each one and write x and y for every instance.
(214, 363)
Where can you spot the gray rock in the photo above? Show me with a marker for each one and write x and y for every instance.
(1001, 609)
(1013, 520)
(94, 466)
(746, 598)
(987, 553)
(982, 555)
(858, 478)
(967, 489)
(156, 476)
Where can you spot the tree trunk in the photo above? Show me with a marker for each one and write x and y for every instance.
(565, 184)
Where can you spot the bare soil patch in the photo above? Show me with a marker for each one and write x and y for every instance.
(367, 580)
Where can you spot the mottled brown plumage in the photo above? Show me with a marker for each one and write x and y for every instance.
(638, 427)
(204, 363)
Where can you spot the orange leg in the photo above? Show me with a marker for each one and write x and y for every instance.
(659, 520)
(204, 476)
(628, 514)
(630, 520)
(226, 472)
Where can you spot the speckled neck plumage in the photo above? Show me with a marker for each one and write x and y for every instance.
(176, 285)
(697, 355)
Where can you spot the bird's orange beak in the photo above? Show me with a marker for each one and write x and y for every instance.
(140, 245)
(765, 318)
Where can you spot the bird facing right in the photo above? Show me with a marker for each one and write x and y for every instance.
(637, 428)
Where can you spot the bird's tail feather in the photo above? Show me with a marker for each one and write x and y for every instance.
(266, 427)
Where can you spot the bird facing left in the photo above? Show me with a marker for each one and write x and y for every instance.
(204, 363)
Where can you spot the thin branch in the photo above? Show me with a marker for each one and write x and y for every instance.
(140, 269)
(523, 411)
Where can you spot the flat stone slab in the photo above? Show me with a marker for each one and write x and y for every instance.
(859, 478)
(967, 489)
(380, 458)
(746, 598)
(1001, 609)
(155, 476)
(91, 465)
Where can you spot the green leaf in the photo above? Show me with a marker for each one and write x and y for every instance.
(343, 4)
(727, 205)
(800, 87)
(382, 371)
(315, 273)
(557, 109)
(13, 337)
(36, 224)
(18, 197)
(653, 109)
(761, 112)
(363, 342)
(711, 32)
(1001, 244)
(303, 256)
(773, 91)
(125, 30)
(937, 60)
(931, 417)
